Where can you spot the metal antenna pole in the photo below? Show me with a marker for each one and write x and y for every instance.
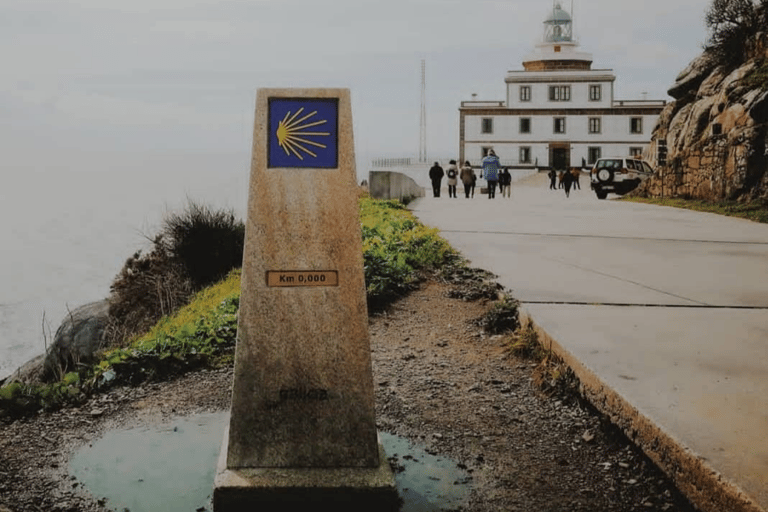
(423, 120)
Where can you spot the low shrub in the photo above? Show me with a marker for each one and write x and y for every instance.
(194, 249)
(502, 317)
(397, 250)
(207, 243)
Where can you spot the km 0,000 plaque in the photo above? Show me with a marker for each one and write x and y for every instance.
(302, 278)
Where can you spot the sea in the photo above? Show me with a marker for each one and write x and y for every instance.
(68, 226)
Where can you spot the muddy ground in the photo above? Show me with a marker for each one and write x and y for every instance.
(439, 380)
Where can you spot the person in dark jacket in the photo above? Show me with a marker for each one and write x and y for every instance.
(552, 179)
(576, 173)
(567, 181)
(436, 174)
(505, 183)
(468, 178)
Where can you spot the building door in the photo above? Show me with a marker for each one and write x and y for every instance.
(559, 156)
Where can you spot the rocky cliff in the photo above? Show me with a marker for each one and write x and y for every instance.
(715, 130)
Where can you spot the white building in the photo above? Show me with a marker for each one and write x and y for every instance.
(558, 111)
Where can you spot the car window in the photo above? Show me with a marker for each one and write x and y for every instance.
(608, 164)
(647, 168)
(631, 164)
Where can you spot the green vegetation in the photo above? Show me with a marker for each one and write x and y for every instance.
(397, 251)
(733, 25)
(755, 211)
(501, 317)
(199, 334)
(757, 78)
(194, 249)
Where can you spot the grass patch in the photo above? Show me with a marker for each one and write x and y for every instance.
(755, 211)
(397, 250)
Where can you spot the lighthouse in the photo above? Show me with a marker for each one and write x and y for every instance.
(558, 112)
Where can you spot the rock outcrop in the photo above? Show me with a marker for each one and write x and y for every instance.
(76, 340)
(716, 131)
(78, 337)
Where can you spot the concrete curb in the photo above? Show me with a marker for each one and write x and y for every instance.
(706, 489)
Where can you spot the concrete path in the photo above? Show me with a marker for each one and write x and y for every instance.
(662, 312)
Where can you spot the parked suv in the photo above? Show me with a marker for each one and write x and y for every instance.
(618, 175)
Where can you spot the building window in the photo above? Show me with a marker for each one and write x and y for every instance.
(559, 93)
(634, 151)
(559, 125)
(525, 155)
(595, 92)
(487, 125)
(636, 125)
(525, 125)
(525, 93)
(593, 154)
(594, 125)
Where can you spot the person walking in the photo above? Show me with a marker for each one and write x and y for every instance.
(552, 179)
(453, 174)
(436, 174)
(505, 180)
(467, 177)
(567, 181)
(576, 173)
(491, 172)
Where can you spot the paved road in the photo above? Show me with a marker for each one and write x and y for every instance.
(664, 310)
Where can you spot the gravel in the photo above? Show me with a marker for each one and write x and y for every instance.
(440, 381)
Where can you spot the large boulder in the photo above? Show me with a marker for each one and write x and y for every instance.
(78, 338)
(689, 79)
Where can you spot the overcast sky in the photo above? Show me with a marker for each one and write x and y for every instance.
(180, 76)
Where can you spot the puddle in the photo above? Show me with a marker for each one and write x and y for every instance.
(425, 482)
(171, 467)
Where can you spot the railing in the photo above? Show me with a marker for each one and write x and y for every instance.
(639, 103)
(401, 162)
(482, 104)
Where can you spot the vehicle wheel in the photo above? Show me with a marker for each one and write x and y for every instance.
(601, 194)
(605, 175)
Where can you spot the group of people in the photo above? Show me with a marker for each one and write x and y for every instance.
(492, 172)
(566, 179)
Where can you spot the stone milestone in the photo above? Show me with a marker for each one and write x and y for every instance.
(302, 423)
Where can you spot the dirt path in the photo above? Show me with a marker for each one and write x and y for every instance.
(439, 380)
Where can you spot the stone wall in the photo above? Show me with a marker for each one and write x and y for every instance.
(393, 185)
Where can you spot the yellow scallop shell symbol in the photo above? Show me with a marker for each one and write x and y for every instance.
(292, 137)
